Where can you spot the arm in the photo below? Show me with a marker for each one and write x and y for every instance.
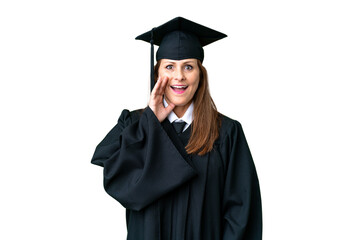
(242, 214)
(140, 162)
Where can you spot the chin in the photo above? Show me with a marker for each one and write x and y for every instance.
(177, 102)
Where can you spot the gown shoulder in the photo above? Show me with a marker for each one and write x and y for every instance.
(229, 127)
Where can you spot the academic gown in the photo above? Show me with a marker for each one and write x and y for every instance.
(171, 195)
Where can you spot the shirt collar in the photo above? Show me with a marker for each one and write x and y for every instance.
(188, 116)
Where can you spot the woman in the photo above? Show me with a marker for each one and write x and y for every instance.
(181, 169)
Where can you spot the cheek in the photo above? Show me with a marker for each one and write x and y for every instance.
(195, 83)
(164, 74)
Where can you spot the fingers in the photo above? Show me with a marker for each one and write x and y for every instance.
(156, 87)
(162, 86)
(159, 87)
(169, 108)
(156, 99)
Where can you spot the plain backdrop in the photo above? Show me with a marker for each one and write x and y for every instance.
(288, 71)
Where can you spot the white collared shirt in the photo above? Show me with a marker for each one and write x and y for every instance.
(188, 116)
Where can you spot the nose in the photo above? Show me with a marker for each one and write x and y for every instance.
(179, 75)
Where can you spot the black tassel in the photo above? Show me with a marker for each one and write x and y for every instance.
(152, 83)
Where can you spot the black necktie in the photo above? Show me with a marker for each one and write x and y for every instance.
(178, 126)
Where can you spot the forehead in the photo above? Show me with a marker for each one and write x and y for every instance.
(183, 61)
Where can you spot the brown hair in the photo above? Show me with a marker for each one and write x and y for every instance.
(206, 123)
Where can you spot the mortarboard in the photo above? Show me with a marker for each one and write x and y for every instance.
(179, 39)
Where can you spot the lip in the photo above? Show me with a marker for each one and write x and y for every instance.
(178, 89)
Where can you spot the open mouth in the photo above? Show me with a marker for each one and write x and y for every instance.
(179, 88)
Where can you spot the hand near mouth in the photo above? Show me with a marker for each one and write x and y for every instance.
(156, 100)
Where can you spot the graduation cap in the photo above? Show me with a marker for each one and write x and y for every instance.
(179, 39)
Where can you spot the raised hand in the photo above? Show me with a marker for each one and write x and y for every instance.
(156, 100)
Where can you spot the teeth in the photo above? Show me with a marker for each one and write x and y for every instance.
(179, 86)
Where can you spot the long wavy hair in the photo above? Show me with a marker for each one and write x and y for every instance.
(206, 120)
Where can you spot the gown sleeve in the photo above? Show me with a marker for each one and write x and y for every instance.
(140, 162)
(242, 214)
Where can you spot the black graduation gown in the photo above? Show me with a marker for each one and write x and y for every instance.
(169, 194)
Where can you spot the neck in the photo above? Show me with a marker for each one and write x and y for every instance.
(180, 110)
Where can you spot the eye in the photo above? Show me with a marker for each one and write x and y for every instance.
(169, 67)
(188, 67)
